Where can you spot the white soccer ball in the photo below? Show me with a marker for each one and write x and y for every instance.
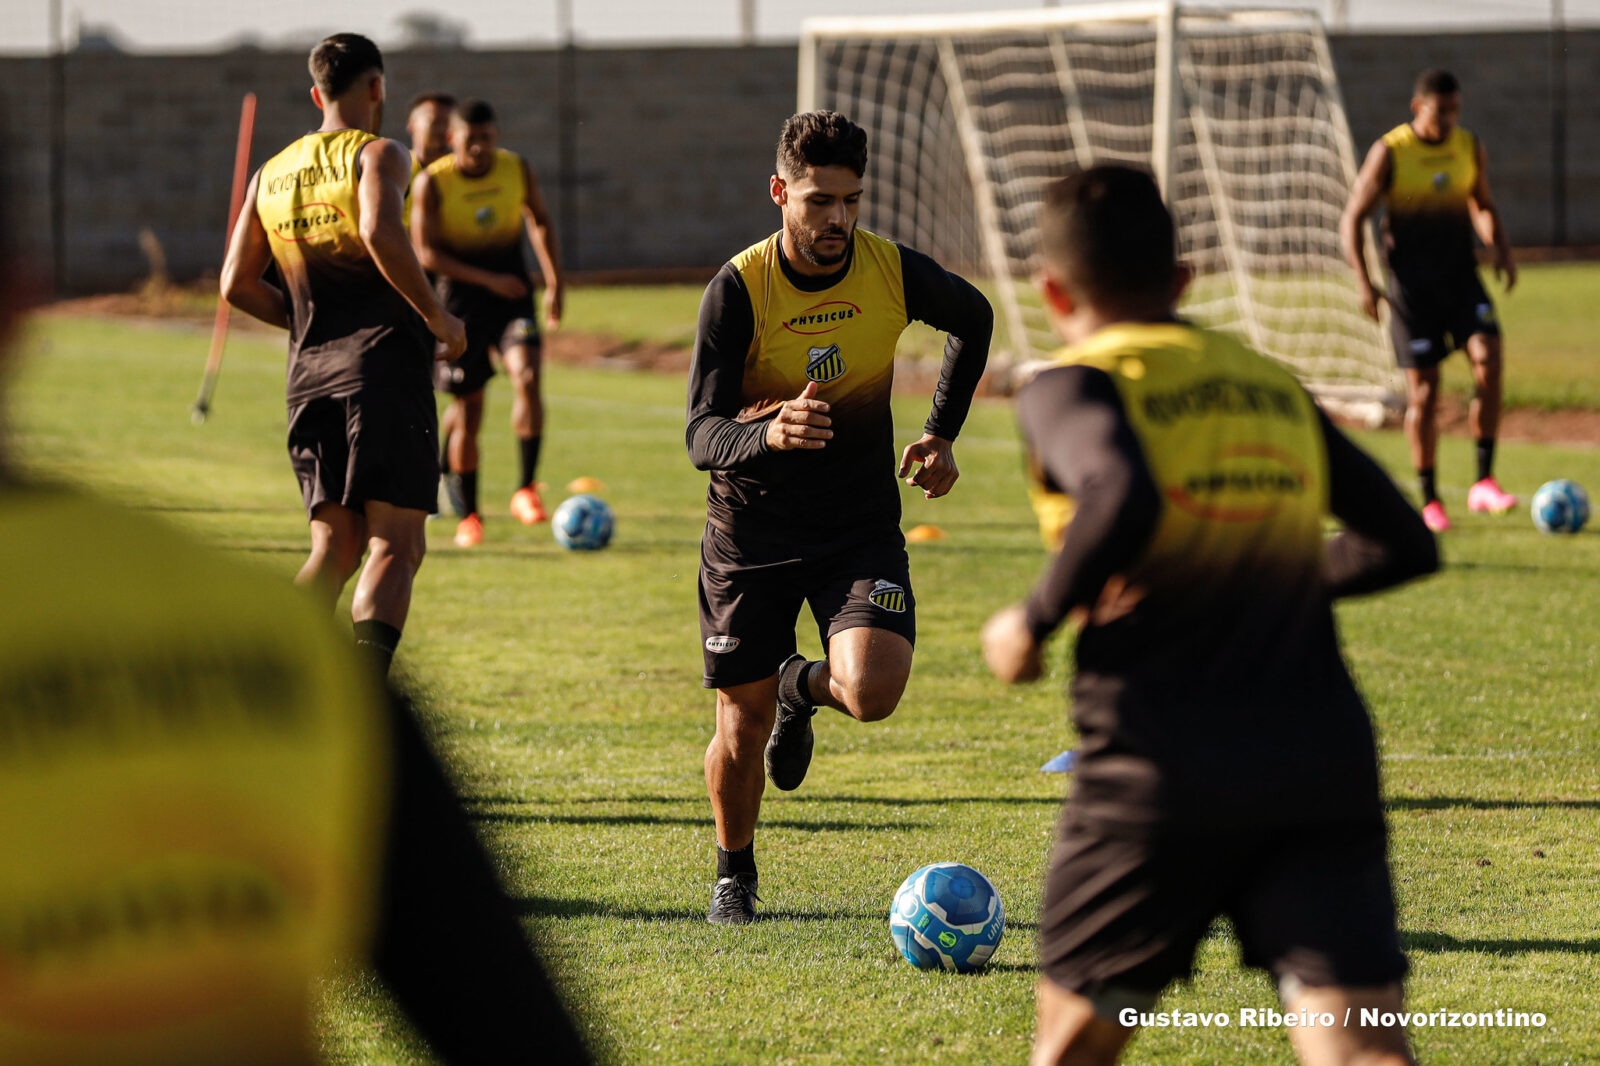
(582, 523)
(1560, 506)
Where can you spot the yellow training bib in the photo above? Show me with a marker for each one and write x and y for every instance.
(481, 213)
(192, 783)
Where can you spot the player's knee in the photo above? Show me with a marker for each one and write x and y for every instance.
(869, 701)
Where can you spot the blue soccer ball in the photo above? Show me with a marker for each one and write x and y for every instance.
(582, 523)
(1560, 506)
(947, 916)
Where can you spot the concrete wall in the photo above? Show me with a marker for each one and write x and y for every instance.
(669, 148)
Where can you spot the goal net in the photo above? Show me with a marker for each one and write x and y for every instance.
(1236, 112)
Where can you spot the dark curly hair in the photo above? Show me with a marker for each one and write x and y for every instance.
(821, 139)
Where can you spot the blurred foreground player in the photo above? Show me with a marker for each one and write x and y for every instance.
(1227, 764)
(469, 210)
(207, 805)
(1432, 177)
(363, 430)
(803, 506)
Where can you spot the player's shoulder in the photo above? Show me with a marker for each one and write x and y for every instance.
(1402, 136)
(445, 164)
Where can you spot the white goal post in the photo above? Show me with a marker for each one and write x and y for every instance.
(1236, 111)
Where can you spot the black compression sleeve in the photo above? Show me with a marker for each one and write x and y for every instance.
(1384, 541)
(949, 303)
(449, 945)
(1075, 427)
(727, 326)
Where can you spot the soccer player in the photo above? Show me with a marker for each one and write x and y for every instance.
(363, 430)
(211, 807)
(1226, 761)
(428, 124)
(469, 211)
(1432, 177)
(803, 506)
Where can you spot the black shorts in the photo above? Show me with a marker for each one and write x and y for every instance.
(497, 325)
(1429, 321)
(380, 444)
(750, 598)
(1124, 909)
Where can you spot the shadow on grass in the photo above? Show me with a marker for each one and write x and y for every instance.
(540, 907)
(818, 826)
(1473, 803)
(699, 800)
(1442, 942)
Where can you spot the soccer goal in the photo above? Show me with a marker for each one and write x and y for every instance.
(1237, 113)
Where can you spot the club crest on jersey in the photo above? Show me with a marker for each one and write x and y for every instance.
(824, 364)
(889, 596)
(484, 216)
(1440, 180)
(1485, 313)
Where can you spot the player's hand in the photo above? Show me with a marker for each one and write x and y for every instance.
(554, 302)
(800, 423)
(1369, 301)
(938, 472)
(508, 286)
(451, 334)
(1009, 648)
(1505, 269)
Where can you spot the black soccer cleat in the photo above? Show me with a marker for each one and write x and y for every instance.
(733, 900)
(789, 747)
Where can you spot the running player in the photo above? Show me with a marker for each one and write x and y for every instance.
(469, 211)
(803, 505)
(363, 430)
(1226, 762)
(1432, 177)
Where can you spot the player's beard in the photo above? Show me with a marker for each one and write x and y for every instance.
(805, 245)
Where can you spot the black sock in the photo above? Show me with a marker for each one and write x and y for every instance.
(530, 459)
(444, 456)
(469, 491)
(1425, 479)
(379, 640)
(742, 861)
(794, 686)
(1485, 457)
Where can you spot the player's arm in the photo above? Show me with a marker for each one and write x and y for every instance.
(1486, 220)
(449, 944)
(542, 235)
(244, 267)
(1364, 195)
(721, 436)
(1384, 541)
(951, 304)
(428, 241)
(385, 174)
(1075, 427)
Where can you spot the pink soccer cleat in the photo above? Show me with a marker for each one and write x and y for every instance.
(1434, 517)
(1487, 496)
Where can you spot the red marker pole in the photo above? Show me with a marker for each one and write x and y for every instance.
(219, 329)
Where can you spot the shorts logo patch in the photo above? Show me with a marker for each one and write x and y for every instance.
(889, 596)
(520, 331)
(824, 364)
(1485, 313)
(721, 644)
(1421, 345)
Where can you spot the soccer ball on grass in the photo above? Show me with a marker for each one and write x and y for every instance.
(582, 523)
(1560, 507)
(947, 916)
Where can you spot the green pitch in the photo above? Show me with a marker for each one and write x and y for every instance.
(564, 691)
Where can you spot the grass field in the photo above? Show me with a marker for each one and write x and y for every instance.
(564, 692)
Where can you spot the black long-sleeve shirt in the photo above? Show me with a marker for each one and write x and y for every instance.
(755, 349)
(1209, 691)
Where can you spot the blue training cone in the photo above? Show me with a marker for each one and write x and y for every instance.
(1064, 763)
